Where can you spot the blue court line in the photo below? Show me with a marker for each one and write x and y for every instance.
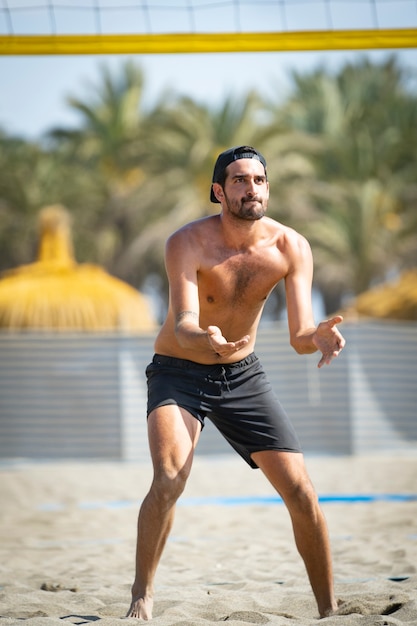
(275, 499)
(237, 501)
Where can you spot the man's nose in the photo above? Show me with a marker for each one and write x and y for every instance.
(250, 190)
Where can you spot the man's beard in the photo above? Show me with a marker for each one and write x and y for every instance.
(246, 209)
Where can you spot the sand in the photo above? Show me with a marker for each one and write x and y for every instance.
(68, 538)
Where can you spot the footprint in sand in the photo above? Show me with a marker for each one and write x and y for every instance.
(375, 606)
(57, 587)
(251, 617)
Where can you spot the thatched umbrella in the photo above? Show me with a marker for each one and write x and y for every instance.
(397, 300)
(55, 293)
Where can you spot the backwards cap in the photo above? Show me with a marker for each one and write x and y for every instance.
(225, 158)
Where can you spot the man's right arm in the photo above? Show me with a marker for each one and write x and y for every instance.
(182, 269)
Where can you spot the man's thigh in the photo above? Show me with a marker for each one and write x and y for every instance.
(173, 435)
(286, 471)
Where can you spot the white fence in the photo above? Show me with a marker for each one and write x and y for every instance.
(81, 396)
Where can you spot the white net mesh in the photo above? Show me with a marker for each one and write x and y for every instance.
(202, 16)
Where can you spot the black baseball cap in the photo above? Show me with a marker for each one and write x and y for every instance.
(228, 156)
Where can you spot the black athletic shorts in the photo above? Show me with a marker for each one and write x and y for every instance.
(237, 398)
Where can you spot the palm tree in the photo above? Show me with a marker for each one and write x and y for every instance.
(110, 146)
(364, 118)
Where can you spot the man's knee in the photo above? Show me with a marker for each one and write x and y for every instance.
(302, 499)
(168, 486)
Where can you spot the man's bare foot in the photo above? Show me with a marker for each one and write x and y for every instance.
(141, 608)
(333, 610)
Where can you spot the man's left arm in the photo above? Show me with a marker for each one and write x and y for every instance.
(305, 336)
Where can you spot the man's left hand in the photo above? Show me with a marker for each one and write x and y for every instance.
(328, 340)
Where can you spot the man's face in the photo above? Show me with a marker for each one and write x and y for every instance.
(246, 190)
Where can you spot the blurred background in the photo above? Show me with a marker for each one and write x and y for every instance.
(103, 155)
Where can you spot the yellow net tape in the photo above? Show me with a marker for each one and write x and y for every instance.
(213, 42)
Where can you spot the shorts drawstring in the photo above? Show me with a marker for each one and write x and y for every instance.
(219, 376)
(225, 381)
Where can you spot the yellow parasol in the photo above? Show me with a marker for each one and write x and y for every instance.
(396, 301)
(55, 293)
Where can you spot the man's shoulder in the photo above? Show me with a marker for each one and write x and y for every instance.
(286, 233)
(289, 242)
(196, 226)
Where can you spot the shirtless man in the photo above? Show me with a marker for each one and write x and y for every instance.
(221, 270)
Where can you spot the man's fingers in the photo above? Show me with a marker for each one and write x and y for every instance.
(242, 342)
(326, 359)
(337, 319)
(229, 347)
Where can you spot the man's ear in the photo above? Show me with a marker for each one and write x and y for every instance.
(218, 191)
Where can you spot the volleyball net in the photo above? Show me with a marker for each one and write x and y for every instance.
(59, 27)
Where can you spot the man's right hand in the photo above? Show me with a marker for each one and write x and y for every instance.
(221, 346)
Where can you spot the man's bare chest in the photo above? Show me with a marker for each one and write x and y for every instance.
(240, 280)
